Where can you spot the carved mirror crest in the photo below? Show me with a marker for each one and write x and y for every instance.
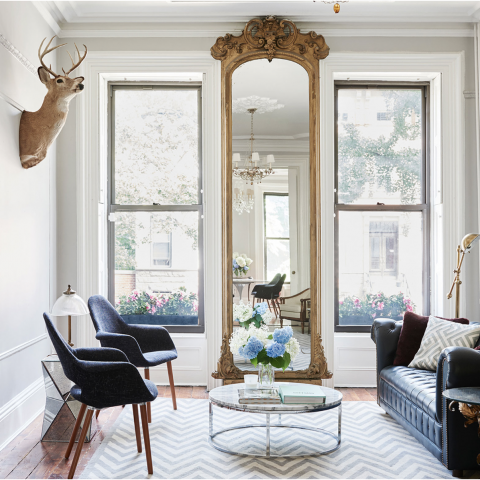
(270, 187)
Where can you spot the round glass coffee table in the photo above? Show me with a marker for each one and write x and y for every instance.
(227, 397)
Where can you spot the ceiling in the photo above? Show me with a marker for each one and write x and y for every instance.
(203, 18)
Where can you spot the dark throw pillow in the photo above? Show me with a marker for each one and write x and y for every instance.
(411, 335)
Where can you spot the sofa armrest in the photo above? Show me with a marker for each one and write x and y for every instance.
(457, 367)
(385, 333)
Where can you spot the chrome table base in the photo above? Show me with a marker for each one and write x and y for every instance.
(268, 426)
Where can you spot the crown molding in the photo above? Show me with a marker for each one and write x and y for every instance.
(162, 30)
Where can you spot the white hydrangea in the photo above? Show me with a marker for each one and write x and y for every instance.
(240, 261)
(238, 339)
(244, 256)
(248, 261)
(242, 312)
(267, 316)
(293, 348)
(261, 333)
(235, 254)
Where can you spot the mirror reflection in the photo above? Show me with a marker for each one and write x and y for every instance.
(270, 199)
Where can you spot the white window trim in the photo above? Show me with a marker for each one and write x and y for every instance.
(446, 74)
(98, 69)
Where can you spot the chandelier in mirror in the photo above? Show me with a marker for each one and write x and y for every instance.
(243, 201)
(250, 171)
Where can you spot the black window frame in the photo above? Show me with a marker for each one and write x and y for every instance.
(113, 207)
(424, 207)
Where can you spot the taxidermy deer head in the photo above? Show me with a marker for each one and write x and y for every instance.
(38, 130)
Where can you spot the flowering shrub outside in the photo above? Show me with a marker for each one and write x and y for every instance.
(259, 346)
(144, 303)
(245, 314)
(376, 305)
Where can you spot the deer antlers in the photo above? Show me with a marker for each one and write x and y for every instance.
(47, 50)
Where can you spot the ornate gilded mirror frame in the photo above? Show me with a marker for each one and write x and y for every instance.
(268, 39)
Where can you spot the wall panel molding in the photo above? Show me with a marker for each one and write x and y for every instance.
(18, 55)
(22, 346)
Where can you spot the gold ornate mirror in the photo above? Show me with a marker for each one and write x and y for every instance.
(270, 188)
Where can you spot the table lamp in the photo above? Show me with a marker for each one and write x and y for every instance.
(69, 304)
(465, 246)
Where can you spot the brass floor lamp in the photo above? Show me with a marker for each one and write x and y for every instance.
(465, 246)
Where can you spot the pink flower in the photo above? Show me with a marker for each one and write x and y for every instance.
(380, 306)
(374, 315)
(379, 294)
(409, 308)
(148, 306)
(154, 309)
(341, 303)
(128, 300)
(373, 304)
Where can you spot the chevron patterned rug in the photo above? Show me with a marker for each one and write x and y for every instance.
(373, 446)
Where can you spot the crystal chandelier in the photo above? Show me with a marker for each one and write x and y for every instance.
(243, 202)
(251, 172)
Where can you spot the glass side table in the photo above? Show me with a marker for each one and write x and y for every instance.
(468, 400)
(61, 409)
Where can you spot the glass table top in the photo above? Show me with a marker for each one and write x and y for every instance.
(469, 395)
(227, 396)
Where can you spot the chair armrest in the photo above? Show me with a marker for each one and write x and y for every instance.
(100, 354)
(112, 382)
(126, 343)
(457, 367)
(151, 338)
(385, 333)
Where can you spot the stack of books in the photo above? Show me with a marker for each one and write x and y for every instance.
(302, 393)
(262, 397)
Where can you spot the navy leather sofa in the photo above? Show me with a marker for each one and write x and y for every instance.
(414, 398)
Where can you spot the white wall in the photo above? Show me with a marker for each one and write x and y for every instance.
(27, 219)
(67, 146)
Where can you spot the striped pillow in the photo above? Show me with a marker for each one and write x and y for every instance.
(441, 334)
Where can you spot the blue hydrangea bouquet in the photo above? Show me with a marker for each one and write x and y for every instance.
(262, 348)
(245, 314)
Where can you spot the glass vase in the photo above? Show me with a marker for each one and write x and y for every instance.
(266, 376)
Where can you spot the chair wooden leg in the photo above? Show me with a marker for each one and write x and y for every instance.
(149, 408)
(81, 413)
(97, 413)
(137, 427)
(81, 440)
(172, 384)
(146, 438)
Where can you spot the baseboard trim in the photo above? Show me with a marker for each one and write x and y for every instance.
(22, 410)
(356, 385)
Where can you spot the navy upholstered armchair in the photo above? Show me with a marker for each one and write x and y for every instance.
(103, 378)
(269, 292)
(145, 345)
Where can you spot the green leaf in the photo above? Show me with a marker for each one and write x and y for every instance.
(277, 362)
(270, 337)
(254, 361)
(286, 361)
(262, 357)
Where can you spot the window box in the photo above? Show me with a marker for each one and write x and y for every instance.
(161, 319)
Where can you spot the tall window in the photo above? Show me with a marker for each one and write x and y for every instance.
(277, 234)
(381, 204)
(155, 245)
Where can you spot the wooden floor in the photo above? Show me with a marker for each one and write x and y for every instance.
(27, 457)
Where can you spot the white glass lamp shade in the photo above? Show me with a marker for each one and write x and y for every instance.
(270, 159)
(255, 157)
(236, 158)
(69, 304)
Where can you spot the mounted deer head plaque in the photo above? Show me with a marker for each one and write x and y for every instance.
(38, 130)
